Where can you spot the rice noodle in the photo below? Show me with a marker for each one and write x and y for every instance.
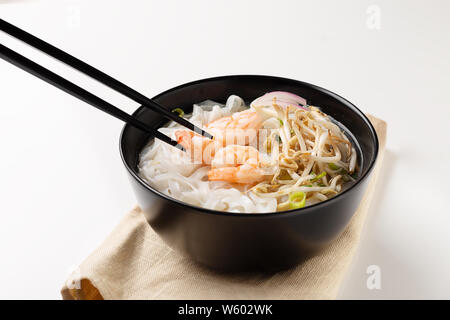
(171, 171)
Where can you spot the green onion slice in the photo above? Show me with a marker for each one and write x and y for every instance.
(297, 200)
(179, 111)
(321, 175)
(333, 166)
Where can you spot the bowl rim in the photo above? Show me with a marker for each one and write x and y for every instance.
(305, 210)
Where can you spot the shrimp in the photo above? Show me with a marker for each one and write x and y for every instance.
(202, 149)
(240, 128)
(236, 164)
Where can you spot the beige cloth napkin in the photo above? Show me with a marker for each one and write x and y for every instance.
(133, 263)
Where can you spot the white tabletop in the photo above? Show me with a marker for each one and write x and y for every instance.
(63, 186)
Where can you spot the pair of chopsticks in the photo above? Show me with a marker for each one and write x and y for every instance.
(80, 93)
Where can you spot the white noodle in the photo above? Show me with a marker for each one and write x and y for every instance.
(172, 172)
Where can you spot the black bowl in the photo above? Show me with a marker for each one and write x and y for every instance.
(230, 241)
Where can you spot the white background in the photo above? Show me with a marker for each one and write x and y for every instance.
(63, 186)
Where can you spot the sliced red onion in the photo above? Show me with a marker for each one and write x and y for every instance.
(282, 98)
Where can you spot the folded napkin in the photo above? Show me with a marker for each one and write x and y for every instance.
(133, 263)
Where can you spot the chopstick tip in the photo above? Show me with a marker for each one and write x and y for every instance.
(180, 147)
(207, 135)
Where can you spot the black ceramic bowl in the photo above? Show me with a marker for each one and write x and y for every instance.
(230, 241)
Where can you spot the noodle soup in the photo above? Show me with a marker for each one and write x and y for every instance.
(277, 154)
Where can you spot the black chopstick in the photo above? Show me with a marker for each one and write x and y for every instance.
(95, 74)
(78, 92)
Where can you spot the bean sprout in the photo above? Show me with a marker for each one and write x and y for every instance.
(310, 146)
